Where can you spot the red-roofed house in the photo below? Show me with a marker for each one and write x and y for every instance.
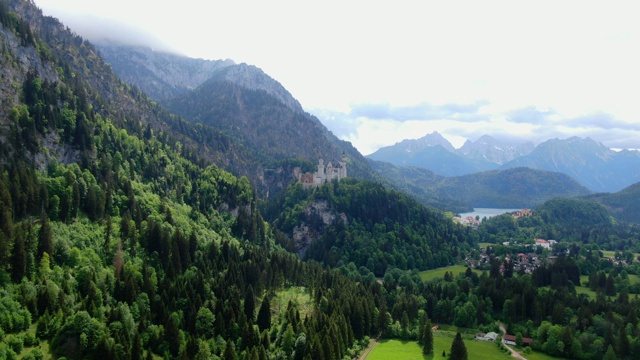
(543, 243)
(511, 340)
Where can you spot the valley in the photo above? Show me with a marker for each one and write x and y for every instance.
(149, 213)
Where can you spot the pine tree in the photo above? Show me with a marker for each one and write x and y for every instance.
(18, 257)
(249, 305)
(45, 238)
(264, 315)
(230, 351)
(458, 349)
(427, 339)
(610, 354)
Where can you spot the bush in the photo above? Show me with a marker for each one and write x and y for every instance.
(30, 339)
(6, 352)
(15, 343)
(34, 354)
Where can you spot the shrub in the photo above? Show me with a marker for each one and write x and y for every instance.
(30, 339)
(15, 342)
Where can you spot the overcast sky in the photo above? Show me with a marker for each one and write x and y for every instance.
(377, 72)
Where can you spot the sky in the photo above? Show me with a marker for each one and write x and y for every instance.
(378, 72)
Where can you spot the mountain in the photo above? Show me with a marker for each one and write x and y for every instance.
(159, 75)
(489, 149)
(119, 237)
(432, 152)
(594, 165)
(245, 104)
(623, 205)
(510, 188)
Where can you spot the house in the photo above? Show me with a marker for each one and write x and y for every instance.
(511, 340)
(542, 243)
(490, 336)
(522, 213)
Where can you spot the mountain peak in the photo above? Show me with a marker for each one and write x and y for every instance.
(253, 78)
(429, 140)
(490, 149)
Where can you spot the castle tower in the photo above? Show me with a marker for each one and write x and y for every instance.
(343, 167)
(321, 168)
(319, 176)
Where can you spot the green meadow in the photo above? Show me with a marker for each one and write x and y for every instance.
(390, 349)
(296, 294)
(439, 273)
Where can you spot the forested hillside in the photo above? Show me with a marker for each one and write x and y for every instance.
(120, 239)
(623, 205)
(511, 188)
(124, 234)
(567, 220)
(364, 223)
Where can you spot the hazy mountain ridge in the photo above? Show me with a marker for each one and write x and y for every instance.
(433, 152)
(623, 205)
(509, 188)
(490, 149)
(591, 163)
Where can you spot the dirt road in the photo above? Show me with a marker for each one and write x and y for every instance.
(370, 348)
(514, 353)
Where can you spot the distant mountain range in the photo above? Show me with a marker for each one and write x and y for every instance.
(592, 164)
(261, 117)
(508, 188)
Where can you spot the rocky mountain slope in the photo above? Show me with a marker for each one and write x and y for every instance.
(488, 148)
(159, 75)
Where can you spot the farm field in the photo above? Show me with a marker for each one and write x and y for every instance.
(439, 273)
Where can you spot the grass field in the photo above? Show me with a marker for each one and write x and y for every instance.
(398, 349)
(298, 295)
(439, 273)
(608, 253)
(477, 350)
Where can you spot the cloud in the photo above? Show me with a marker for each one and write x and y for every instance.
(601, 120)
(530, 115)
(98, 29)
(420, 112)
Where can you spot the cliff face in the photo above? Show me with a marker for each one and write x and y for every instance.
(160, 75)
(163, 76)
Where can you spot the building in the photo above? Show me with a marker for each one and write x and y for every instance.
(542, 243)
(511, 340)
(490, 336)
(522, 213)
(325, 173)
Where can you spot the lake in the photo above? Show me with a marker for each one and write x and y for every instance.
(487, 212)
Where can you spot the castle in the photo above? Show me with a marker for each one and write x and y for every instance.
(323, 175)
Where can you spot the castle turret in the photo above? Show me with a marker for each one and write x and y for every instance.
(343, 167)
